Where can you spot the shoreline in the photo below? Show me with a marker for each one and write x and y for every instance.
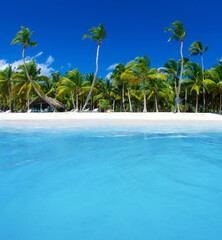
(147, 117)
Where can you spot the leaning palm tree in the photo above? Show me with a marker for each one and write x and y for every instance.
(23, 37)
(6, 83)
(97, 34)
(195, 49)
(178, 35)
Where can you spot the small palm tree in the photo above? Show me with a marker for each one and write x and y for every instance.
(178, 35)
(97, 34)
(6, 83)
(117, 80)
(89, 78)
(195, 49)
(22, 86)
(23, 37)
(214, 82)
(72, 83)
(195, 81)
(157, 87)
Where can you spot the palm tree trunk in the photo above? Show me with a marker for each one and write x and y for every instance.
(221, 101)
(77, 101)
(197, 103)
(9, 95)
(129, 99)
(33, 85)
(156, 103)
(123, 99)
(28, 103)
(185, 108)
(73, 101)
(114, 105)
(204, 91)
(92, 102)
(94, 77)
(144, 97)
(177, 108)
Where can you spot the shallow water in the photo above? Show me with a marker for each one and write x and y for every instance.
(128, 181)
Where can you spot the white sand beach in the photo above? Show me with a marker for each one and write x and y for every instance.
(146, 117)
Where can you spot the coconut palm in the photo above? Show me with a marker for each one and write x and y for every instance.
(194, 82)
(213, 82)
(117, 80)
(178, 35)
(195, 49)
(72, 83)
(96, 34)
(23, 86)
(6, 83)
(23, 37)
(89, 78)
(157, 87)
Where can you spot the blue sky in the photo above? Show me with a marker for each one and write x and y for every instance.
(134, 28)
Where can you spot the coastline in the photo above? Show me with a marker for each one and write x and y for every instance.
(146, 117)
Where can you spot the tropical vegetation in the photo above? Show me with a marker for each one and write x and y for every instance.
(178, 86)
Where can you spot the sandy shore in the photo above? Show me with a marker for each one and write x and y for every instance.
(112, 116)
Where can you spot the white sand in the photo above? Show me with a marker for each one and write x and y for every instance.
(146, 117)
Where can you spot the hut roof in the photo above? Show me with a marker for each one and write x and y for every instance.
(55, 103)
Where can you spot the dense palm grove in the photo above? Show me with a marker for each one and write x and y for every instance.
(178, 86)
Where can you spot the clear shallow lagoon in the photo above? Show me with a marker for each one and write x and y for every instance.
(62, 181)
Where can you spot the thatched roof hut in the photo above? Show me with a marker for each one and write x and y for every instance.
(40, 104)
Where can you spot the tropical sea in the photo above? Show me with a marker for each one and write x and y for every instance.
(110, 180)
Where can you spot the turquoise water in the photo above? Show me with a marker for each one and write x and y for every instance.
(110, 182)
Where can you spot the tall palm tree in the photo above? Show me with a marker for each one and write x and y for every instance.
(178, 35)
(6, 83)
(97, 34)
(195, 49)
(23, 37)
(72, 83)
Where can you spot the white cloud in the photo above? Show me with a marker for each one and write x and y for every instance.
(49, 61)
(69, 65)
(112, 67)
(108, 75)
(38, 54)
(45, 67)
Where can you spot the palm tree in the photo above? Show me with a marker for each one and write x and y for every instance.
(72, 83)
(89, 78)
(195, 49)
(178, 35)
(117, 80)
(6, 83)
(23, 85)
(23, 37)
(54, 83)
(157, 87)
(195, 81)
(97, 34)
(214, 82)
(139, 72)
